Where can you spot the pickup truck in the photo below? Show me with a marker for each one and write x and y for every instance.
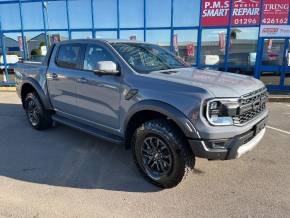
(142, 96)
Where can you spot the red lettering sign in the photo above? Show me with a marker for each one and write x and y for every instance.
(20, 43)
(246, 12)
(215, 12)
(175, 42)
(270, 30)
(190, 49)
(275, 12)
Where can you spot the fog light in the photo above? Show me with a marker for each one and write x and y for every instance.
(217, 144)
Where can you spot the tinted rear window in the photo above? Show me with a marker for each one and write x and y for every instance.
(69, 56)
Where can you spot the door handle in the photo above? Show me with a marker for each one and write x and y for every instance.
(54, 76)
(82, 80)
(102, 85)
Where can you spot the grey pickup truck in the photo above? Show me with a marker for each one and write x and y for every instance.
(142, 96)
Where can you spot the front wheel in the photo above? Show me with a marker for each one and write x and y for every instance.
(160, 153)
(38, 117)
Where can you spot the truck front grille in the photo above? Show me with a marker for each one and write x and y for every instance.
(251, 105)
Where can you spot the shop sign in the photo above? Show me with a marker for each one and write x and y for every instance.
(55, 38)
(20, 42)
(222, 41)
(275, 31)
(246, 12)
(215, 12)
(190, 49)
(275, 12)
(175, 42)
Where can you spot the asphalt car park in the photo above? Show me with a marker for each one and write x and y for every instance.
(62, 172)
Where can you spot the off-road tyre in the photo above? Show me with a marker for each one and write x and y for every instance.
(169, 136)
(38, 117)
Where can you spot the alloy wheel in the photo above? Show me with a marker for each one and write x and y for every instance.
(156, 157)
(33, 112)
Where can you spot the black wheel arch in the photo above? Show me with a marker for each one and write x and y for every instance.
(31, 85)
(152, 109)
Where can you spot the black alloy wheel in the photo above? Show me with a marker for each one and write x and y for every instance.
(33, 112)
(157, 157)
(38, 117)
(160, 152)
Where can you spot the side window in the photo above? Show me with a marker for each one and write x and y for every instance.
(69, 55)
(94, 54)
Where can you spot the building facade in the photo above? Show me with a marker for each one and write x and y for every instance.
(250, 37)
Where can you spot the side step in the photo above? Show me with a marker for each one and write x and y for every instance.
(89, 129)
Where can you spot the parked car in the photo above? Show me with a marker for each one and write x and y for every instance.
(10, 59)
(142, 96)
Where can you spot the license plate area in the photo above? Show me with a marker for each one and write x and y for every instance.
(261, 125)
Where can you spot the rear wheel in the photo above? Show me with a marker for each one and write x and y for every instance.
(160, 153)
(38, 117)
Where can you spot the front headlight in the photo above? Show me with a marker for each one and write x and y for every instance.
(220, 112)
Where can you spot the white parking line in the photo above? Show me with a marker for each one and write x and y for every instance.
(279, 130)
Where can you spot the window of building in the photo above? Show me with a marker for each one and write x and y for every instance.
(272, 56)
(288, 55)
(160, 37)
(55, 13)
(273, 52)
(81, 35)
(272, 78)
(7, 21)
(132, 16)
(213, 45)
(32, 15)
(13, 49)
(134, 35)
(1, 51)
(35, 46)
(80, 13)
(186, 13)
(184, 45)
(105, 13)
(243, 50)
(158, 13)
(287, 73)
(106, 34)
(243, 46)
(69, 56)
(94, 54)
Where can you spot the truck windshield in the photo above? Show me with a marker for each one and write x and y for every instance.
(145, 58)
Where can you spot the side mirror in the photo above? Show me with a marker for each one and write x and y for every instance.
(106, 67)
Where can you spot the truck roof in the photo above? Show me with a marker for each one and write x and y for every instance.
(103, 40)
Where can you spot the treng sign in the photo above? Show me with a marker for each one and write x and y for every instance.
(275, 12)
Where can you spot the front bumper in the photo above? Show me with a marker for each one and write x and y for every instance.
(232, 148)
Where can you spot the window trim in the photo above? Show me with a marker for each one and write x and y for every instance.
(81, 56)
(48, 55)
(115, 59)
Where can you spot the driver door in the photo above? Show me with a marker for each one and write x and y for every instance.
(98, 95)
